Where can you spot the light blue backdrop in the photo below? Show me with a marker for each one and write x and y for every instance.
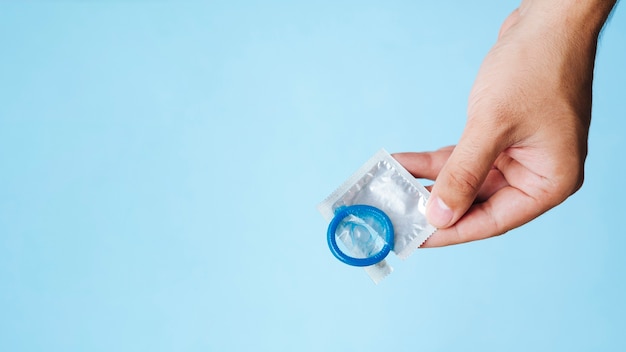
(160, 164)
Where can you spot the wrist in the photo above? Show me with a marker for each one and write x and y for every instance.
(582, 18)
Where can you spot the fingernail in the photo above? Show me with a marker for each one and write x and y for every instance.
(438, 213)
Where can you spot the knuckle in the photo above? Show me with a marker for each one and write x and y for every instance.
(562, 187)
(464, 182)
(429, 161)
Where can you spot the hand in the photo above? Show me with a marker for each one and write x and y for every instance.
(524, 145)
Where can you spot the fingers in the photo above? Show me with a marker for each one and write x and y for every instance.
(461, 177)
(507, 209)
(493, 183)
(424, 165)
(427, 165)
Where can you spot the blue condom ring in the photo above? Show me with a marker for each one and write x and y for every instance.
(360, 211)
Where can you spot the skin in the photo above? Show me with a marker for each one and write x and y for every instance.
(524, 145)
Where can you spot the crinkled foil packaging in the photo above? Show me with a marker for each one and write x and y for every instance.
(383, 183)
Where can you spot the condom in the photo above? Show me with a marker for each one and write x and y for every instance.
(364, 230)
(380, 209)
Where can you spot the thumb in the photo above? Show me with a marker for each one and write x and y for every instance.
(461, 177)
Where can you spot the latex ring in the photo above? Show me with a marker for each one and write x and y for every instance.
(360, 211)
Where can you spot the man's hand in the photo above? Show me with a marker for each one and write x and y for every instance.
(524, 145)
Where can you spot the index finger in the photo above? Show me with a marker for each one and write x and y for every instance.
(425, 164)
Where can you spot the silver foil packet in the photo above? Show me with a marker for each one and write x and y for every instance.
(385, 184)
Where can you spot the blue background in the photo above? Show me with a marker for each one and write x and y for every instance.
(160, 164)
